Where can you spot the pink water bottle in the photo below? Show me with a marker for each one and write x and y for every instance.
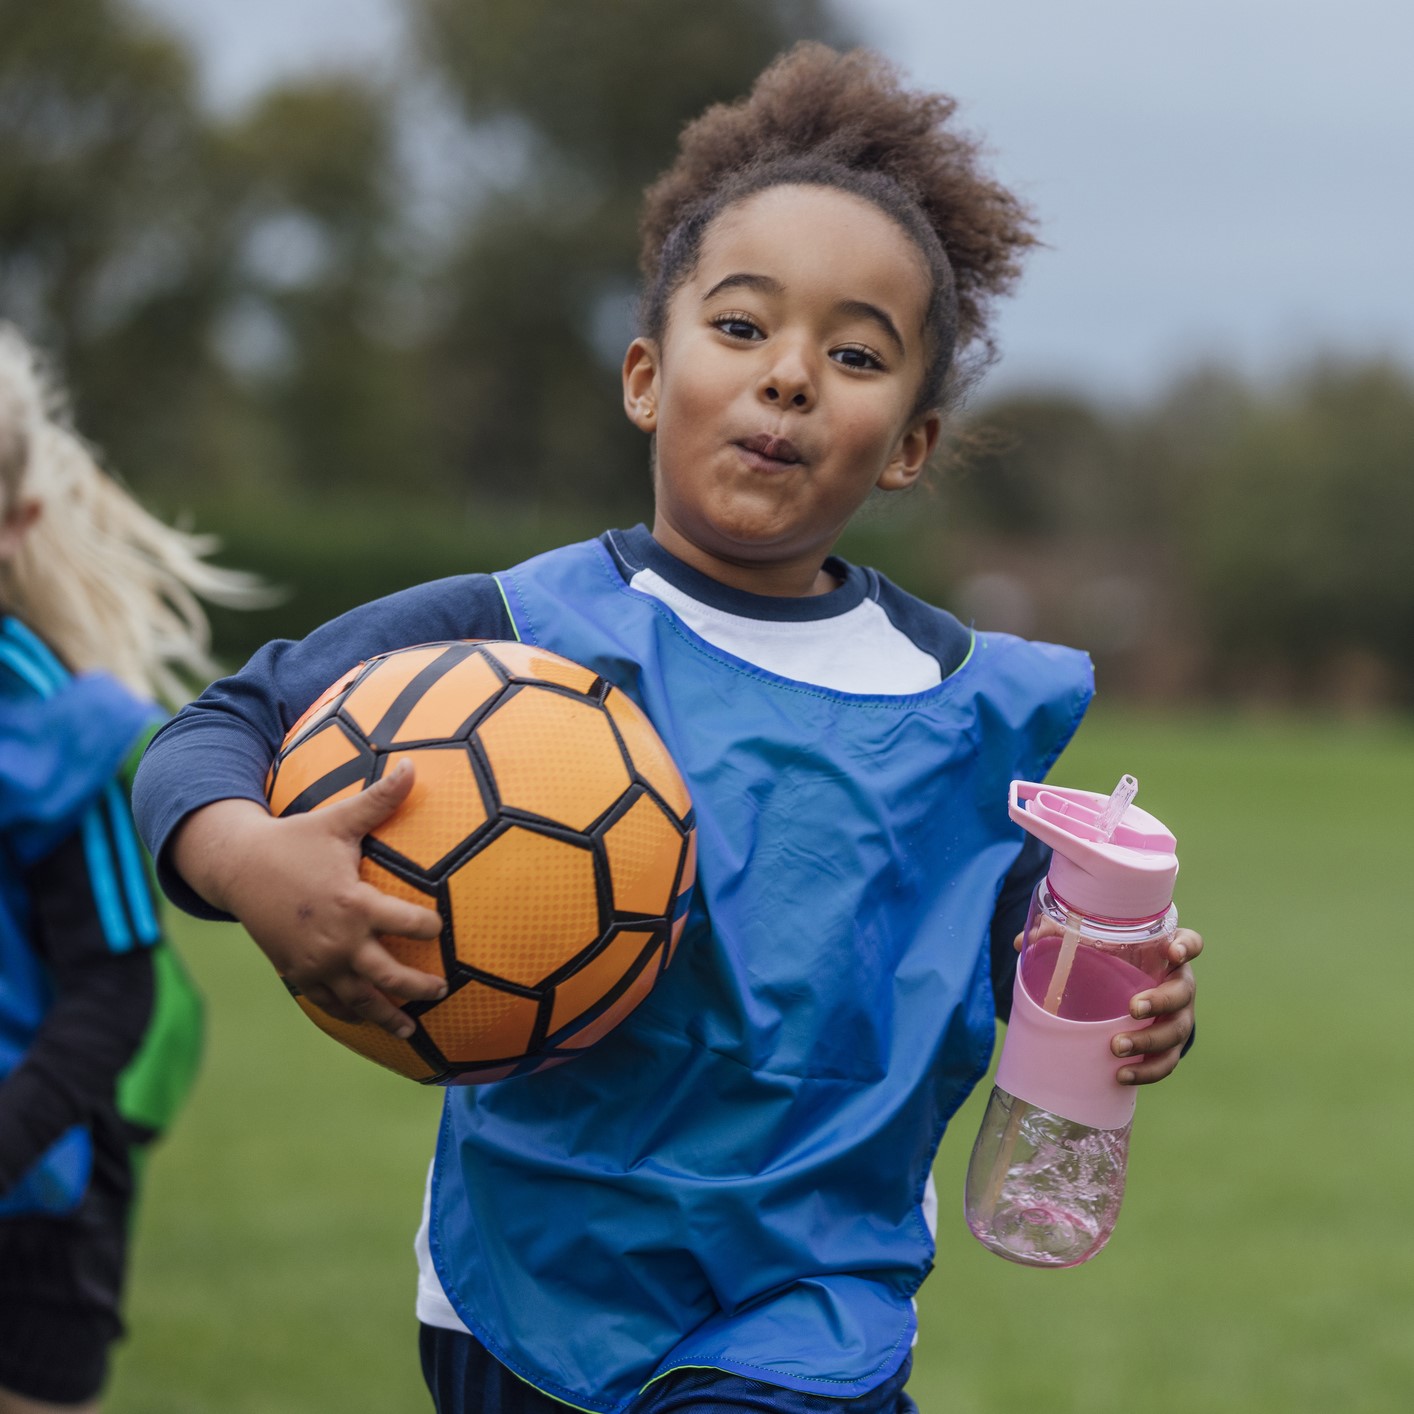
(1047, 1174)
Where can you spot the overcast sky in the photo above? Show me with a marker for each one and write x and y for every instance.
(1227, 179)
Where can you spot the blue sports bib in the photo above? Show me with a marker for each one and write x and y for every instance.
(733, 1177)
(61, 742)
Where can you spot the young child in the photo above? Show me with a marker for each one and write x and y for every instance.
(99, 1027)
(726, 1204)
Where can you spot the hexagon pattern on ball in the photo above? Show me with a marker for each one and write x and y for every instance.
(547, 825)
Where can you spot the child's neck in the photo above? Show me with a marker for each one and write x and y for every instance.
(792, 578)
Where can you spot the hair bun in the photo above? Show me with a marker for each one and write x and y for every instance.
(851, 109)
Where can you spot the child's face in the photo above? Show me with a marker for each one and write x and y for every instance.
(783, 389)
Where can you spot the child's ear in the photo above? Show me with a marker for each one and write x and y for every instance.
(640, 377)
(16, 523)
(912, 453)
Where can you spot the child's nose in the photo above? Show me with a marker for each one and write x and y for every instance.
(790, 384)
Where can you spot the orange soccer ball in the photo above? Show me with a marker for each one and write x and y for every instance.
(547, 825)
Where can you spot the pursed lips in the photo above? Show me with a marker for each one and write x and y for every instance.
(769, 453)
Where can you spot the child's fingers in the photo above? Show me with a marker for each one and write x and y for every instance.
(374, 963)
(369, 1004)
(365, 991)
(1186, 945)
(325, 1000)
(1148, 1069)
(1163, 1035)
(402, 919)
(398, 918)
(1044, 928)
(1173, 994)
(1157, 1049)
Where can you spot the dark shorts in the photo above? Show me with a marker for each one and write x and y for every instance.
(465, 1378)
(61, 1285)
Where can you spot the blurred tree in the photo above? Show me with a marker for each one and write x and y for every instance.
(1280, 516)
(269, 310)
(537, 292)
(111, 254)
(317, 329)
(606, 85)
(243, 278)
(1299, 527)
(1036, 465)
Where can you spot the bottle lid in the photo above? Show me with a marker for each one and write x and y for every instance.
(1111, 860)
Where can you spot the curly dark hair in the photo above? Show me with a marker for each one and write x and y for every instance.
(822, 118)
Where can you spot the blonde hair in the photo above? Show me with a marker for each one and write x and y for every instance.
(103, 581)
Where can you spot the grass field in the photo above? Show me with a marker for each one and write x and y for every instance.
(1264, 1261)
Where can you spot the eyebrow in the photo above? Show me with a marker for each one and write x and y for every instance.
(862, 309)
(767, 285)
(764, 284)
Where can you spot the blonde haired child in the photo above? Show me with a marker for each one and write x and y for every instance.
(99, 1026)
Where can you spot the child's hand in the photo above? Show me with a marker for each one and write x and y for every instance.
(1157, 1048)
(294, 883)
(1170, 1003)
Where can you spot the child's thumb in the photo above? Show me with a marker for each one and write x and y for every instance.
(370, 808)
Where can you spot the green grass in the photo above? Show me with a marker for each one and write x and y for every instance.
(1263, 1261)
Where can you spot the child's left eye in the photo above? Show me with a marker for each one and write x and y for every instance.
(857, 356)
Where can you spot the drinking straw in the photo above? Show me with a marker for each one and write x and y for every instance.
(1121, 798)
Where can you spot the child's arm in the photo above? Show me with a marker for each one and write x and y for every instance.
(200, 803)
(93, 922)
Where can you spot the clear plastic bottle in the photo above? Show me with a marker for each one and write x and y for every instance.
(1047, 1175)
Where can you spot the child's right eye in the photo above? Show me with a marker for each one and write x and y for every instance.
(738, 326)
